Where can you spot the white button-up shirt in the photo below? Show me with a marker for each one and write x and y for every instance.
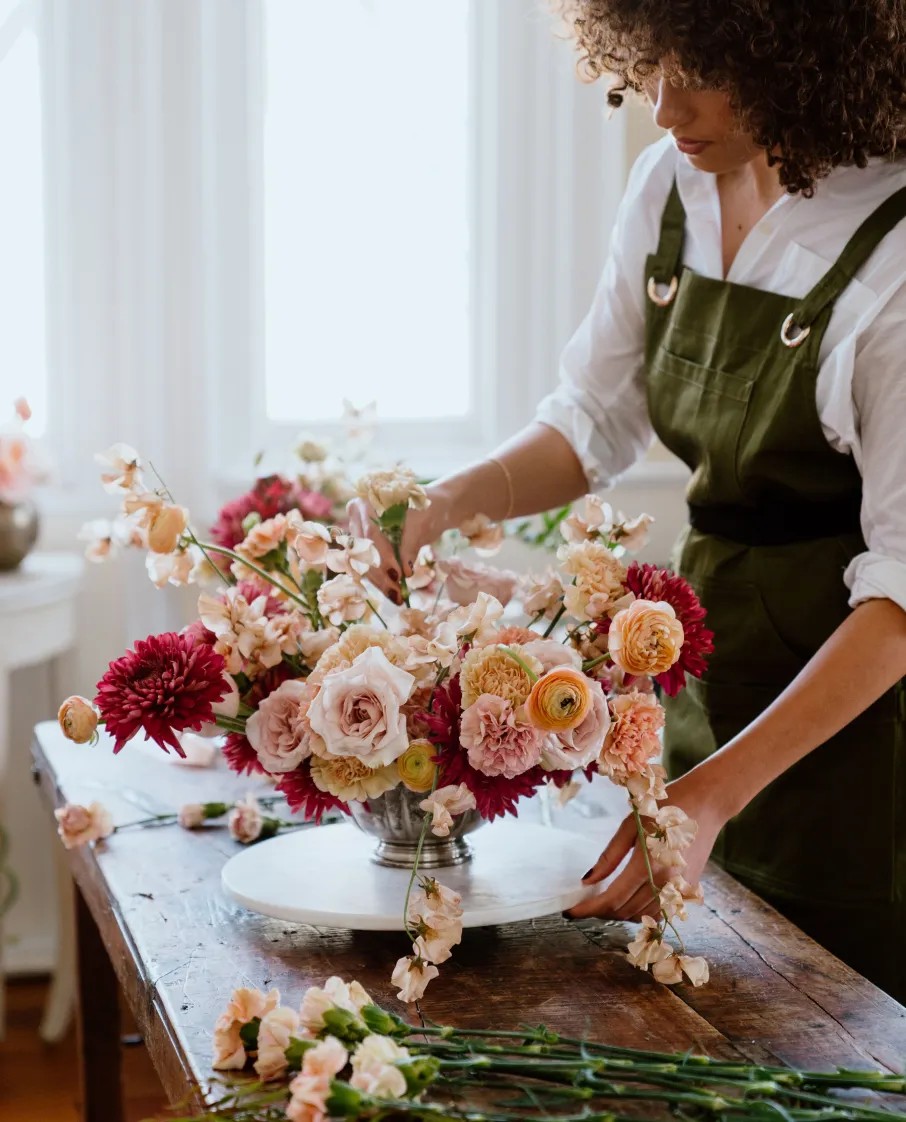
(600, 404)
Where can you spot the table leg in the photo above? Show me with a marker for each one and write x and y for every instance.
(61, 1000)
(98, 1024)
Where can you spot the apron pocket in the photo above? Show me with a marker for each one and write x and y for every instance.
(682, 403)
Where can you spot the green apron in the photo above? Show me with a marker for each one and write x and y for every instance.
(773, 523)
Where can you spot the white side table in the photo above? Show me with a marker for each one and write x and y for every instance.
(38, 625)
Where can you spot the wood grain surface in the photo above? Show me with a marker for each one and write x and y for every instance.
(179, 946)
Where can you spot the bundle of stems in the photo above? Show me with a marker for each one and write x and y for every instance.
(491, 1075)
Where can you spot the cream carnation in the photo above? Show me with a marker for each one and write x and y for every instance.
(277, 1027)
(374, 1069)
(492, 670)
(394, 487)
(599, 579)
(351, 780)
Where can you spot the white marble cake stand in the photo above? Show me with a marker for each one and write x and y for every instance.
(325, 876)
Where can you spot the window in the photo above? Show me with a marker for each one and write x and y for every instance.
(23, 370)
(368, 255)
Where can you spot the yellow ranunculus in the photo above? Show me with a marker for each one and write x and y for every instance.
(417, 767)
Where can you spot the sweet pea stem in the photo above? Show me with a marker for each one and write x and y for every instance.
(553, 623)
(255, 569)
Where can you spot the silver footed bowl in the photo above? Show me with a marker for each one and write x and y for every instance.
(395, 819)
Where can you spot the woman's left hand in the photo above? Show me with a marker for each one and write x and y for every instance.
(629, 895)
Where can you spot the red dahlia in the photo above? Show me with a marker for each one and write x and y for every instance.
(303, 796)
(651, 583)
(240, 755)
(166, 685)
(271, 495)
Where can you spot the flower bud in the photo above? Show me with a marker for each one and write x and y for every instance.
(78, 719)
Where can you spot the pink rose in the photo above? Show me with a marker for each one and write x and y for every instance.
(358, 710)
(578, 747)
(497, 743)
(278, 730)
(79, 825)
(633, 739)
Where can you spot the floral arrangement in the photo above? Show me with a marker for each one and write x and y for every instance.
(340, 696)
(22, 464)
(340, 1055)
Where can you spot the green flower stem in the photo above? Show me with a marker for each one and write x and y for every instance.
(593, 662)
(255, 569)
(553, 623)
(153, 820)
(418, 854)
(643, 845)
(378, 614)
(518, 659)
(230, 724)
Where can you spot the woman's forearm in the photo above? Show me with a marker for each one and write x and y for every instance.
(861, 660)
(537, 470)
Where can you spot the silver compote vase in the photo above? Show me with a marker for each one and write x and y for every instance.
(396, 819)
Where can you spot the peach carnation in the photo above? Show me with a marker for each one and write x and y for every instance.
(637, 718)
(491, 670)
(498, 743)
(599, 579)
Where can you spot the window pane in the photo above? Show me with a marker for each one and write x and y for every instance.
(23, 370)
(367, 208)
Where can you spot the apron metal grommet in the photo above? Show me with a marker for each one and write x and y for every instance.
(793, 340)
(655, 297)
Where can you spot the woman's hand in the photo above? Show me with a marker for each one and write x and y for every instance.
(423, 527)
(629, 895)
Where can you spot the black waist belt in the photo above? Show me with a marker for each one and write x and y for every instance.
(780, 523)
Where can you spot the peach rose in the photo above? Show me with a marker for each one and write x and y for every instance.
(278, 730)
(550, 653)
(645, 638)
(78, 719)
(79, 825)
(358, 711)
(560, 700)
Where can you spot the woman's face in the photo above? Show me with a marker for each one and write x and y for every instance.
(702, 125)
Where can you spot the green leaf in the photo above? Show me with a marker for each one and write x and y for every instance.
(296, 1050)
(345, 1026)
(248, 1034)
(384, 1023)
(215, 810)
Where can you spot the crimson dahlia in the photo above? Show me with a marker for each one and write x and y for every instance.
(167, 684)
(271, 495)
(302, 796)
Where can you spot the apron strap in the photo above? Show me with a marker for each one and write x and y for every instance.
(669, 256)
(856, 252)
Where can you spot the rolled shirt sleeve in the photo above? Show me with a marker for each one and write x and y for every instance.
(600, 405)
(879, 399)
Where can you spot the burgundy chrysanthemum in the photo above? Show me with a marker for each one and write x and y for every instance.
(240, 756)
(304, 797)
(495, 795)
(651, 583)
(271, 495)
(166, 685)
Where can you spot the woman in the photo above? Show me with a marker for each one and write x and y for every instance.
(752, 315)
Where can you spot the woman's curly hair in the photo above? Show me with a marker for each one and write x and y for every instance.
(818, 83)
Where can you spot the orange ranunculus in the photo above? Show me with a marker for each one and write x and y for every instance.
(645, 638)
(560, 700)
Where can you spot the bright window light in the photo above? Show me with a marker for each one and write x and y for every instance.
(23, 371)
(367, 209)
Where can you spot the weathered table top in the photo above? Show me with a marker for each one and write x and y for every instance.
(179, 946)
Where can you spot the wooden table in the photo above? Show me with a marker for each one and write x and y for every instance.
(150, 904)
